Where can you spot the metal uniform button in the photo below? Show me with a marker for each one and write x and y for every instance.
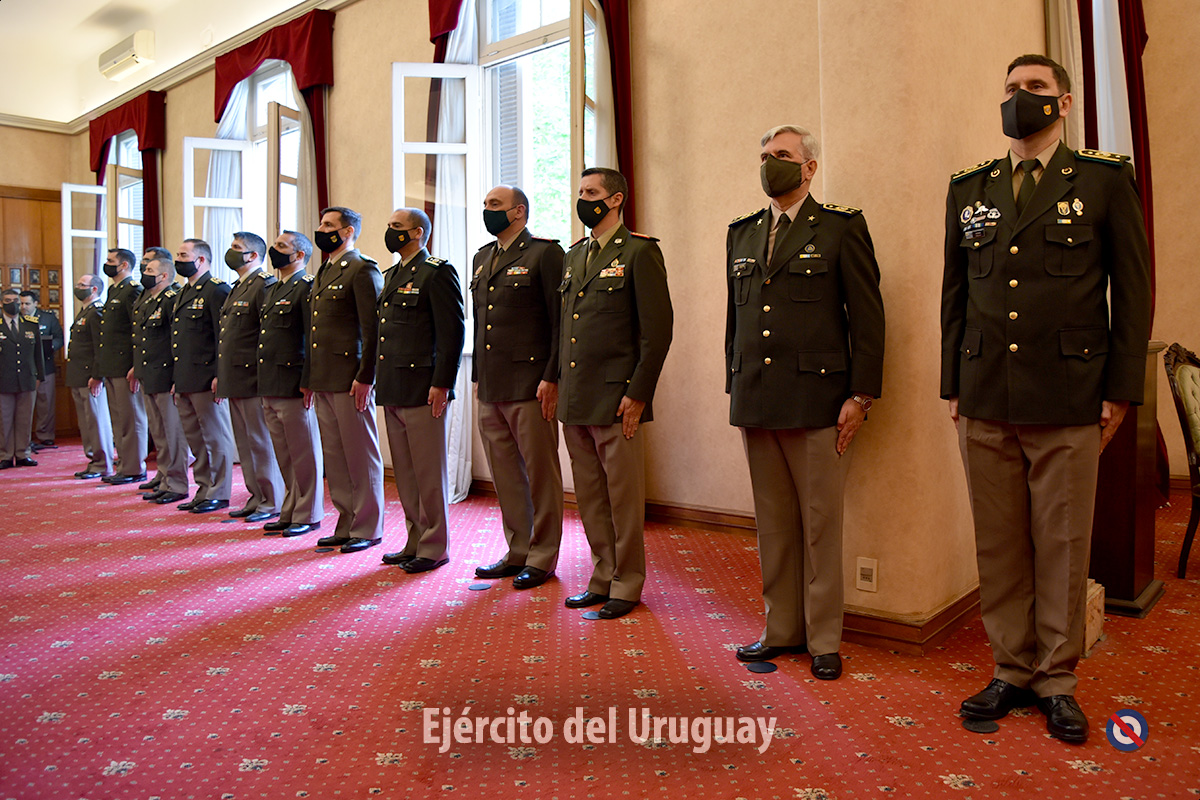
(491, 288)
(572, 340)
(572, 365)
(1070, 240)
(574, 316)
(1014, 249)
(489, 347)
(767, 361)
(489, 307)
(808, 272)
(1013, 283)
(1012, 315)
(581, 294)
(1086, 351)
(766, 334)
(767, 281)
(766, 308)
(1013, 347)
(822, 370)
(489, 327)
(977, 244)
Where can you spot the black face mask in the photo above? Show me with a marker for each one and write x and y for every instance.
(327, 241)
(82, 294)
(111, 270)
(592, 212)
(235, 259)
(495, 220)
(279, 260)
(12, 308)
(149, 281)
(1026, 113)
(779, 177)
(395, 240)
(186, 268)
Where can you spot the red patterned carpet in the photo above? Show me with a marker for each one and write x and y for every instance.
(149, 653)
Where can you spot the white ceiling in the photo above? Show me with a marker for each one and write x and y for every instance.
(52, 47)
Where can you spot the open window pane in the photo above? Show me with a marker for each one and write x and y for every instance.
(130, 236)
(289, 153)
(507, 18)
(288, 199)
(126, 151)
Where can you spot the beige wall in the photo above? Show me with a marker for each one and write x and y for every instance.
(34, 159)
(1172, 87)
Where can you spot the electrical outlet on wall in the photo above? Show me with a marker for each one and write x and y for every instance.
(867, 577)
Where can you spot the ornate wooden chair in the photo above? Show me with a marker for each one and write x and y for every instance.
(1183, 373)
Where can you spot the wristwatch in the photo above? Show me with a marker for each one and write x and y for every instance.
(863, 401)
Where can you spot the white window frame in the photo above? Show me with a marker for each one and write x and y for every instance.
(112, 181)
(191, 201)
(69, 234)
(278, 117)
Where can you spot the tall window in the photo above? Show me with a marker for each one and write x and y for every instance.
(124, 187)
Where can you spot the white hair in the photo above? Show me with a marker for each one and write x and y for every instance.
(812, 149)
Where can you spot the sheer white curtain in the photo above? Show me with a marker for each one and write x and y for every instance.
(1113, 126)
(1064, 44)
(606, 115)
(306, 177)
(450, 237)
(225, 180)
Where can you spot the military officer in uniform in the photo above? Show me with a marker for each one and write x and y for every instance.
(803, 362)
(91, 403)
(237, 376)
(291, 419)
(113, 360)
(20, 370)
(44, 417)
(614, 336)
(515, 369)
(1039, 367)
(205, 418)
(421, 334)
(152, 374)
(339, 374)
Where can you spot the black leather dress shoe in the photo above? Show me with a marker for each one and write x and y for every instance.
(26, 462)
(6, 464)
(423, 565)
(47, 444)
(259, 516)
(150, 485)
(996, 701)
(354, 545)
(188, 506)
(278, 526)
(88, 474)
(209, 506)
(501, 569)
(400, 559)
(531, 577)
(765, 652)
(171, 497)
(826, 667)
(616, 608)
(301, 529)
(121, 480)
(332, 541)
(244, 511)
(35, 448)
(154, 495)
(1064, 718)
(585, 599)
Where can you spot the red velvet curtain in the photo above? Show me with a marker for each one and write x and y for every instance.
(145, 115)
(1133, 45)
(443, 19)
(306, 44)
(616, 19)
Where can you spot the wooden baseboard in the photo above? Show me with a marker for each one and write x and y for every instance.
(908, 636)
(1181, 483)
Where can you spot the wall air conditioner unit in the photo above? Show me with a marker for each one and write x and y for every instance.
(128, 56)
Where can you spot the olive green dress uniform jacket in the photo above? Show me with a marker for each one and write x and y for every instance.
(1026, 337)
(421, 331)
(615, 330)
(20, 356)
(194, 326)
(241, 318)
(344, 329)
(806, 330)
(518, 299)
(84, 344)
(52, 337)
(115, 356)
(282, 338)
(153, 363)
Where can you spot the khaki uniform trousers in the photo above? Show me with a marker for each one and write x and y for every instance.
(16, 424)
(610, 488)
(522, 453)
(95, 428)
(353, 464)
(256, 454)
(44, 412)
(1033, 494)
(798, 480)
(173, 454)
(209, 435)
(417, 441)
(128, 415)
(297, 442)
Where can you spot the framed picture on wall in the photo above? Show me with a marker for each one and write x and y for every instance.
(52, 277)
(14, 276)
(54, 297)
(35, 277)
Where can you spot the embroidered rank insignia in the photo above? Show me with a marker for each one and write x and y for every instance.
(615, 271)
(642, 236)
(744, 217)
(962, 173)
(517, 271)
(435, 262)
(849, 211)
(1101, 156)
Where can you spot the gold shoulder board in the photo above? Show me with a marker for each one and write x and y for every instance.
(743, 217)
(962, 173)
(643, 236)
(1100, 155)
(849, 211)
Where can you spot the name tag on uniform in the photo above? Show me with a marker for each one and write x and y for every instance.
(517, 271)
(615, 271)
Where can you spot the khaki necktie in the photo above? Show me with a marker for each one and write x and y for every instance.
(593, 249)
(1028, 184)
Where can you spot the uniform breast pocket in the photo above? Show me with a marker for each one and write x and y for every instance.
(515, 290)
(1068, 249)
(807, 278)
(193, 319)
(402, 308)
(741, 289)
(281, 319)
(980, 253)
(610, 295)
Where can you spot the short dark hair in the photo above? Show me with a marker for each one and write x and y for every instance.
(301, 243)
(32, 295)
(349, 217)
(125, 256)
(521, 199)
(201, 247)
(612, 181)
(422, 220)
(253, 241)
(1034, 59)
(160, 254)
(7, 292)
(95, 281)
